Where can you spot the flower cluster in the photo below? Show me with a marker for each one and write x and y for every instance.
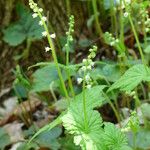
(131, 94)
(110, 40)
(144, 16)
(37, 12)
(133, 123)
(71, 30)
(88, 64)
(126, 14)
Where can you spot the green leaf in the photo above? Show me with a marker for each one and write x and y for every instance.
(147, 49)
(25, 27)
(47, 127)
(4, 139)
(49, 138)
(67, 143)
(43, 77)
(113, 138)
(146, 110)
(142, 140)
(73, 120)
(109, 72)
(131, 78)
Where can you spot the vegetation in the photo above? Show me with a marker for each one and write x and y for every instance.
(96, 83)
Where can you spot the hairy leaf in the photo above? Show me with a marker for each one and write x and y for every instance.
(43, 77)
(25, 27)
(132, 78)
(88, 138)
(113, 138)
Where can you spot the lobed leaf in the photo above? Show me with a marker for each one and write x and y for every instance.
(131, 78)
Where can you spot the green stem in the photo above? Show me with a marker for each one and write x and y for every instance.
(113, 18)
(55, 57)
(84, 104)
(68, 70)
(52, 92)
(113, 108)
(121, 23)
(136, 36)
(68, 7)
(134, 140)
(98, 26)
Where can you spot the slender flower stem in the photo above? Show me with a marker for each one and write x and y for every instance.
(54, 57)
(113, 18)
(121, 23)
(136, 36)
(98, 26)
(113, 108)
(84, 104)
(68, 71)
(68, 7)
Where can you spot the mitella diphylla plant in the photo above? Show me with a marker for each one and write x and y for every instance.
(81, 119)
(38, 12)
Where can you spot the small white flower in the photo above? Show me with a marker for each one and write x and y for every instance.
(84, 60)
(34, 15)
(31, 6)
(44, 33)
(89, 67)
(47, 49)
(40, 10)
(40, 23)
(117, 40)
(92, 64)
(35, 10)
(87, 78)
(83, 68)
(112, 43)
(88, 86)
(147, 29)
(79, 80)
(53, 36)
(126, 14)
(44, 18)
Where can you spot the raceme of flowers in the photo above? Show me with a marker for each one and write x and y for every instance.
(145, 19)
(37, 12)
(110, 39)
(88, 65)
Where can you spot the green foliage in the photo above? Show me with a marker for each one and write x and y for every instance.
(113, 138)
(67, 143)
(132, 78)
(25, 28)
(49, 72)
(73, 120)
(147, 49)
(109, 71)
(49, 138)
(142, 139)
(90, 138)
(4, 139)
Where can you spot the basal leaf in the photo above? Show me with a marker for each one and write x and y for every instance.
(25, 27)
(113, 138)
(49, 138)
(43, 77)
(88, 138)
(131, 78)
